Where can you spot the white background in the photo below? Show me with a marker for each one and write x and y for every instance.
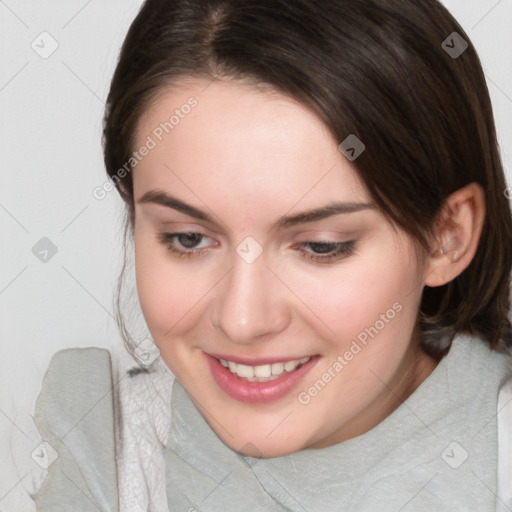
(51, 160)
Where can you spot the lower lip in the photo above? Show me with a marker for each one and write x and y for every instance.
(257, 392)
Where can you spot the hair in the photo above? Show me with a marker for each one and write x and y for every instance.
(373, 68)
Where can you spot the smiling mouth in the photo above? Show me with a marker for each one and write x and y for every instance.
(259, 383)
(264, 372)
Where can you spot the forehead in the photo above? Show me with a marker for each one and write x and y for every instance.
(243, 143)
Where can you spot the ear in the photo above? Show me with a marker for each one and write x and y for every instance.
(456, 236)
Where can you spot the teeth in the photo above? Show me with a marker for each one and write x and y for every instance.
(290, 366)
(264, 372)
(277, 368)
(243, 370)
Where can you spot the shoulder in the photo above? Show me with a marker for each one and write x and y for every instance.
(492, 402)
(471, 357)
(75, 381)
(66, 362)
(75, 417)
(504, 414)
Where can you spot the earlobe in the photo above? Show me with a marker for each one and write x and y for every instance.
(457, 235)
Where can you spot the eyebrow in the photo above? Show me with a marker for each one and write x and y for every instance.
(162, 198)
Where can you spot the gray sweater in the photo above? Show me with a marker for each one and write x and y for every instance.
(437, 451)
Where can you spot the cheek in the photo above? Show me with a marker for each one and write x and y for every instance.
(159, 287)
(352, 299)
(150, 288)
(169, 292)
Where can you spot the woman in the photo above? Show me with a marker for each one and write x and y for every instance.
(322, 252)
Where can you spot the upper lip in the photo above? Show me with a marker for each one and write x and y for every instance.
(257, 361)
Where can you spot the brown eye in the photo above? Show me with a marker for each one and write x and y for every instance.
(326, 251)
(188, 240)
(183, 244)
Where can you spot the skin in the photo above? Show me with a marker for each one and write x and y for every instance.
(248, 157)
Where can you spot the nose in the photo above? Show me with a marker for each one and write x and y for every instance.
(250, 303)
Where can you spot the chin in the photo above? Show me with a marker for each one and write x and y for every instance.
(260, 446)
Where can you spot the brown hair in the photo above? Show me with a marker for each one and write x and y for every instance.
(373, 68)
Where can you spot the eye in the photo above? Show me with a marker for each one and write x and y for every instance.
(185, 245)
(328, 251)
(187, 241)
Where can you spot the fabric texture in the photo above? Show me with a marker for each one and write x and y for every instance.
(74, 414)
(504, 503)
(120, 448)
(437, 451)
(142, 407)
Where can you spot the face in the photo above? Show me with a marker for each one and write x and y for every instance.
(238, 286)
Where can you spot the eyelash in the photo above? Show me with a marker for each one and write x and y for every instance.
(340, 249)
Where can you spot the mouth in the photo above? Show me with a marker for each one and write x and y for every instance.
(259, 383)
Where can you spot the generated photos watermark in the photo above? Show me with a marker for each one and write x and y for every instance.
(356, 346)
(152, 141)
